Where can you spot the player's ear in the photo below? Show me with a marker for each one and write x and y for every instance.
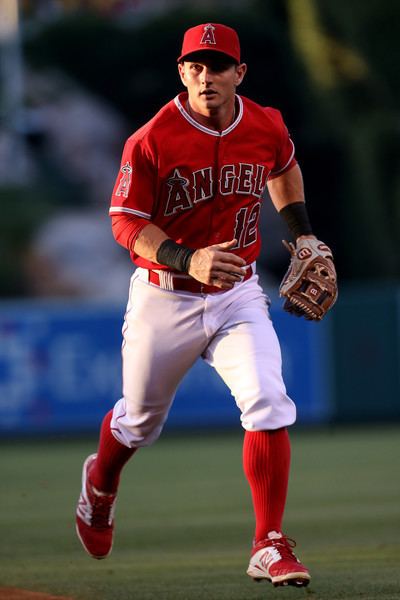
(240, 73)
(181, 71)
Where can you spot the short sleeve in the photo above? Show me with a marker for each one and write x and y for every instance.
(285, 151)
(134, 190)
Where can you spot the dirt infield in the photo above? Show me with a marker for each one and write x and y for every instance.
(17, 594)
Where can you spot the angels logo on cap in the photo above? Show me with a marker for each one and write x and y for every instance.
(211, 36)
(208, 35)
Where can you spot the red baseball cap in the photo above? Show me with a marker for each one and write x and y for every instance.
(211, 36)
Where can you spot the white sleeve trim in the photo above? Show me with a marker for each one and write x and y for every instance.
(288, 162)
(131, 211)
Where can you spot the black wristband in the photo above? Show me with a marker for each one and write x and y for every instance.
(296, 217)
(174, 255)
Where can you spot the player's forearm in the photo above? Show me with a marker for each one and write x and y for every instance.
(286, 189)
(148, 242)
(137, 234)
(287, 195)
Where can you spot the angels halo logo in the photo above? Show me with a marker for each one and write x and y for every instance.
(208, 35)
(125, 181)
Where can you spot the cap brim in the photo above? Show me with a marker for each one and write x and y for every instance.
(187, 56)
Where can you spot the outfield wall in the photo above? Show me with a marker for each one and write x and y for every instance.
(366, 347)
(60, 366)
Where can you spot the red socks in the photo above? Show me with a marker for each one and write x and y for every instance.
(266, 463)
(111, 457)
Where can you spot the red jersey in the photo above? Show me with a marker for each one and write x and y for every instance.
(202, 186)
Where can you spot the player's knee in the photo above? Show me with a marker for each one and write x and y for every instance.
(138, 437)
(138, 430)
(268, 411)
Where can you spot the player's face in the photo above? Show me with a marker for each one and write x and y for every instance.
(211, 82)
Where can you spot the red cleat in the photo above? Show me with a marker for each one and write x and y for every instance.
(273, 559)
(95, 516)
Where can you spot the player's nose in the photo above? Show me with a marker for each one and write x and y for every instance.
(207, 75)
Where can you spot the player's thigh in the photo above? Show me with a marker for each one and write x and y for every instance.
(162, 338)
(246, 354)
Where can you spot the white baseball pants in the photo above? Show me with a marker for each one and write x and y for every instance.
(165, 332)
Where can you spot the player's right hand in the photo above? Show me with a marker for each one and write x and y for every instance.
(216, 266)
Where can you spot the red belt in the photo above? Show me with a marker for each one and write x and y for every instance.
(171, 281)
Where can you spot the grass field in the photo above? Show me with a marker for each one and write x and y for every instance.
(184, 519)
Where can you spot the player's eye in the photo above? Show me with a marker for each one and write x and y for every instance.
(221, 67)
(196, 67)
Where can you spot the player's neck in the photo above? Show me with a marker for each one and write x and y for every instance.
(218, 119)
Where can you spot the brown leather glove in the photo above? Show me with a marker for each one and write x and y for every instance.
(310, 283)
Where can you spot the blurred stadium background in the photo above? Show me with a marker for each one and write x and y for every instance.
(76, 78)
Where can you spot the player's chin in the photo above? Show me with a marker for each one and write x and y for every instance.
(211, 100)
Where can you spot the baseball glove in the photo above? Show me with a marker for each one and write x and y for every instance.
(310, 285)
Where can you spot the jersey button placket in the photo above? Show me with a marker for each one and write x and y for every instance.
(219, 203)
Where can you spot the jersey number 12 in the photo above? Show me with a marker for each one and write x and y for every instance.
(246, 225)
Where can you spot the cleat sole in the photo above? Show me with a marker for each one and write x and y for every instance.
(294, 582)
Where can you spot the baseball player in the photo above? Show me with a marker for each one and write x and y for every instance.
(186, 205)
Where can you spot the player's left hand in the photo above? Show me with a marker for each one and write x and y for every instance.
(310, 284)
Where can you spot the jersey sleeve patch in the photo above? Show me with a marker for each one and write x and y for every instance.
(125, 180)
(135, 186)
